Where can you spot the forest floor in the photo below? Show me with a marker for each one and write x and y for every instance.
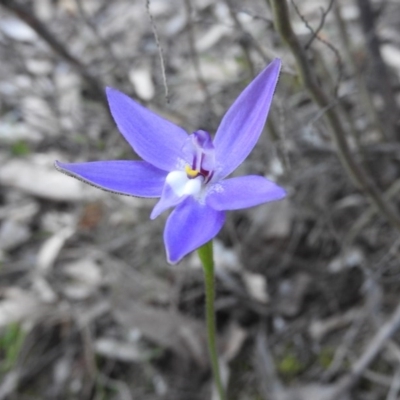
(89, 306)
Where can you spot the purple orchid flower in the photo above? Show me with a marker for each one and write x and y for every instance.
(188, 171)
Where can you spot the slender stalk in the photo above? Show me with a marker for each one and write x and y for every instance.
(206, 256)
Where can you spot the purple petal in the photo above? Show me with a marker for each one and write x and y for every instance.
(190, 226)
(156, 140)
(243, 192)
(168, 199)
(243, 123)
(132, 178)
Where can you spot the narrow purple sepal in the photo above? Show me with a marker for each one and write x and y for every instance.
(190, 226)
(156, 140)
(132, 178)
(168, 199)
(243, 123)
(243, 192)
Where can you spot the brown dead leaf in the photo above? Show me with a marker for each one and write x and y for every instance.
(91, 216)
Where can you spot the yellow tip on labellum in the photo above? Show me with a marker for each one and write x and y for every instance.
(191, 173)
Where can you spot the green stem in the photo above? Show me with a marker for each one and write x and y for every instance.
(206, 256)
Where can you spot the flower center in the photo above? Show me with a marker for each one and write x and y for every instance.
(191, 173)
(201, 149)
(194, 173)
(199, 169)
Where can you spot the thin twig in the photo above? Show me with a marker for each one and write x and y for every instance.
(321, 24)
(315, 35)
(366, 217)
(394, 387)
(244, 40)
(194, 55)
(342, 350)
(381, 74)
(365, 97)
(247, 36)
(269, 382)
(372, 349)
(355, 171)
(160, 50)
(103, 42)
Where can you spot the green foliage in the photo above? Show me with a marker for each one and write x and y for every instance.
(80, 139)
(11, 341)
(242, 62)
(101, 144)
(325, 357)
(20, 149)
(289, 365)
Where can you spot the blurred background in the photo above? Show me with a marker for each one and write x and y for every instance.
(89, 307)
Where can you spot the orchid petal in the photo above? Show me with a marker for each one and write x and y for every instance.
(243, 192)
(169, 198)
(177, 187)
(182, 185)
(243, 123)
(189, 226)
(132, 178)
(156, 140)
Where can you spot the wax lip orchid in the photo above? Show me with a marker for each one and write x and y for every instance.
(188, 171)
